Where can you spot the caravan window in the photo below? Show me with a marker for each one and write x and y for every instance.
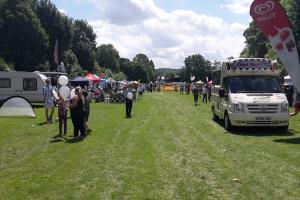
(5, 83)
(30, 84)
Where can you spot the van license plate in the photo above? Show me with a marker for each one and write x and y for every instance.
(263, 118)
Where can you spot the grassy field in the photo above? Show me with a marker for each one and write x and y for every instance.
(170, 149)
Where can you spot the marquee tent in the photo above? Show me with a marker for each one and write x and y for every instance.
(80, 81)
(93, 78)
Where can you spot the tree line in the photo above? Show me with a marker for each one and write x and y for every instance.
(30, 29)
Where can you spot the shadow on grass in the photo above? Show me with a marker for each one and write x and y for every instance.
(261, 132)
(75, 140)
(56, 140)
(289, 141)
(42, 123)
(258, 131)
(37, 105)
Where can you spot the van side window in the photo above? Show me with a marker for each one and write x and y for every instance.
(29, 84)
(5, 83)
(225, 84)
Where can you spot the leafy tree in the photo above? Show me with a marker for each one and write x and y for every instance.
(125, 65)
(146, 65)
(108, 57)
(84, 45)
(58, 27)
(256, 43)
(138, 73)
(196, 65)
(4, 65)
(119, 76)
(23, 41)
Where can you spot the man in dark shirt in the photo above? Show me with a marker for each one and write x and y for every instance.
(196, 94)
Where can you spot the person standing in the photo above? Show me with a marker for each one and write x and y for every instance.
(188, 88)
(128, 102)
(86, 109)
(209, 92)
(62, 114)
(77, 115)
(48, 101)
(196, 94)
(181, 88)
(204, 93)
(296, 102)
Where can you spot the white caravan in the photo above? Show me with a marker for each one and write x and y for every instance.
(248, 92)
(28, 85)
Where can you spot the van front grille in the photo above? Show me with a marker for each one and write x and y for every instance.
(262, 108)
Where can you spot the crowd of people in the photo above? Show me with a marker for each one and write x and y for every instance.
(79, 105)
(79, 110)
(197, 90)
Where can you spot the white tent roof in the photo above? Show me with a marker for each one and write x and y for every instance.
(16, 107)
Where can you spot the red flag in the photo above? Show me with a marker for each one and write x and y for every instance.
(273, 21)
(55, 56)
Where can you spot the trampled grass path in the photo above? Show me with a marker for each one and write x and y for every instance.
(170, 149)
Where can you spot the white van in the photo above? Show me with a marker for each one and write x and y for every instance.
(24, 84)
(248, 92)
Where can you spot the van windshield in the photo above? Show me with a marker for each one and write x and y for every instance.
(254, 84)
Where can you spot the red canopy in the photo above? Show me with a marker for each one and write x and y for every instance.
(92, 78)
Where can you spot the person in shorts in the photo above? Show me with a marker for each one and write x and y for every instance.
(48, 101)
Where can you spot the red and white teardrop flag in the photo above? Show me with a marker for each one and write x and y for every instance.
(273, 21)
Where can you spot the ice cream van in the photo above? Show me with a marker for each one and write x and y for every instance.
(248, 92)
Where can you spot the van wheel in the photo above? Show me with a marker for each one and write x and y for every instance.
(214, 116)
(227, 124)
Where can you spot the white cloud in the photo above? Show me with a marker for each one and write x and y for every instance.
(140, 26)
(63, 11)
(239, 6)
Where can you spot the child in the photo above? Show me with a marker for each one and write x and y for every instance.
(62, 114)
(86, 109)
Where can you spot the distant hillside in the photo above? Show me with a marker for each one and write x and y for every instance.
(165, 70)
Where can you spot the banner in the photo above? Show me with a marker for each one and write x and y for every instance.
(273, 21)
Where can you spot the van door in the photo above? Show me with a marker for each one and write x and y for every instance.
(224, 100)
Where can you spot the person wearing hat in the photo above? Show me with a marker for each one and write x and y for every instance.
(48, 100)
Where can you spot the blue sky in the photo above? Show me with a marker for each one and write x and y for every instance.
(165, 30)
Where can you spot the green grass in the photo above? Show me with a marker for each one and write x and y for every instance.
(170, 149)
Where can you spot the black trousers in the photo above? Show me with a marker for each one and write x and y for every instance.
(204, 98)
(196, 97)
(78, 123)
(128, 106)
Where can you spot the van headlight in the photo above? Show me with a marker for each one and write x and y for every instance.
(284, 107)
(238, 108)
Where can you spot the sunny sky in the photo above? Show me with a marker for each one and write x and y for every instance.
(166, 31)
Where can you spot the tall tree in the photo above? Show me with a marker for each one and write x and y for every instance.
(196, 65)
(23, 41)
(84, 45)
(107, 56)
(58, 26)
(256, 44)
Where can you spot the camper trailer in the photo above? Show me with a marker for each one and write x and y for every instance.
(28, 85)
